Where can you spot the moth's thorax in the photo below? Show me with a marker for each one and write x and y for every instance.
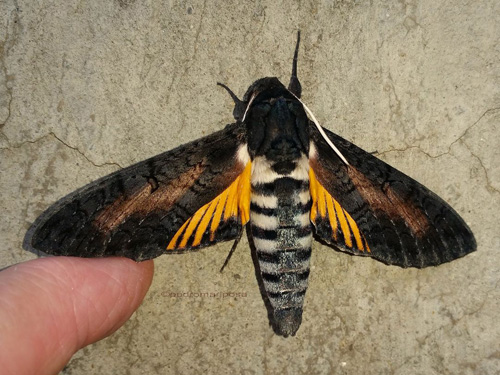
(278, 131)
(281, 231)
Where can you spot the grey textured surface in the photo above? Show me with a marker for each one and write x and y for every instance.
(88, 87)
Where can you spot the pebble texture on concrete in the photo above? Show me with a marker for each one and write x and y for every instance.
(89, 87)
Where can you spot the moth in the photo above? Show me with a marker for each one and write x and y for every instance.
(276, 172)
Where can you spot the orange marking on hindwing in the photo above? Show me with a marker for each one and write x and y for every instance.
(172, 243)
(193, 223)
(322, 202)
(209, 211)
(355, 231)
(221, 203)
(232, 202)
(323, 205)
(344, 227)
(331, 216)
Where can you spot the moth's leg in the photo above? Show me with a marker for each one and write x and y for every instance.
(233, 248)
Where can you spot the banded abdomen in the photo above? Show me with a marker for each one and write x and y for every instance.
(281, 230)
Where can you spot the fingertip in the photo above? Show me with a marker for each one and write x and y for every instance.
(52, 307)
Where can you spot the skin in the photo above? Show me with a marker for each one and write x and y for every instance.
(52, 307)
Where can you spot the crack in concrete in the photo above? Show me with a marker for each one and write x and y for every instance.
(394, 101)
(454, 321)
(473, 125)
(85, 156)
(489, 185)
(459, 138)
(9, 93)
(198, 30)
(406, 149)
(5, 46)
(188, 64)
(53, 135)
(2, 134)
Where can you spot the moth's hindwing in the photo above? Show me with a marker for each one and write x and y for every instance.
(332, 221)
(231, 206)
(369, 208)
(187, 198)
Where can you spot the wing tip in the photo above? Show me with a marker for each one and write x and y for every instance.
(28, 239)
(31, 241)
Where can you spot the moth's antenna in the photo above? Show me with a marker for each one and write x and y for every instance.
(239, 106)
(294, 86)
(322, 132)
(230, 92)
(296, 89)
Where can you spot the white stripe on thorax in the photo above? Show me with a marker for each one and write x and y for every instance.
(263, 173)
(242, 154)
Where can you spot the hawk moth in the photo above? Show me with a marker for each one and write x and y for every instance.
(275, 171)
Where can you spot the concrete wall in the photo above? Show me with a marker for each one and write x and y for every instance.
(88, 87)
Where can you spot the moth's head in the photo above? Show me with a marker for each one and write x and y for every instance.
(265, 89)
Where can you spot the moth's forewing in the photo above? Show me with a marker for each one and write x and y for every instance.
(395, 219)
(137, 211)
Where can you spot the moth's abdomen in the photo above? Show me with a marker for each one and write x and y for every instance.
(281, 231)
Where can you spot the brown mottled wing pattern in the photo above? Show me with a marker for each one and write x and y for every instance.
(400, 221)
(135, 212)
